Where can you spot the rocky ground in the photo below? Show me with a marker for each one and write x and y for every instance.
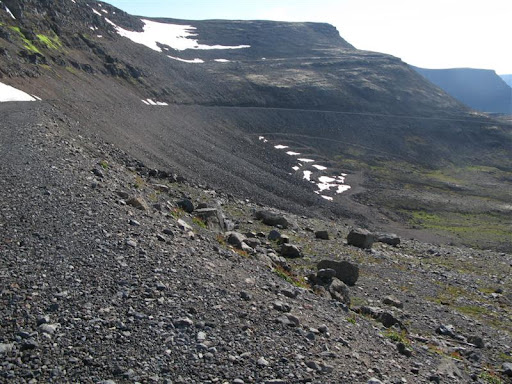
(106, 278)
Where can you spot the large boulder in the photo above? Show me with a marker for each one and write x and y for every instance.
(387, 238)
(323, 235)
(360, 238)
(291, 251)
(345, 270)
(186, 205)
(271, 218)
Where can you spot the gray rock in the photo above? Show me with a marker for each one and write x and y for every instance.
(393, 301)
(507, 369)
(323, 235)
(186, 205)
(161, 187)
(49, 329)
(374, 380)
(325, 275)
(245, 296)
(289, 320)
(386, 318)
(387, 238)
(183, 322)
(138, 202)
(6, 348)
(283, 307)
(446, 330)
(98, 172)
(404, 350)
(184, 226)
(477, 341)
(283, 240)
(235, 239)
(262, 362)
(271, 218)
(274, 235)
(339, 291)
(292, 294)
(345, 271)
(360, 238)
(291, 251)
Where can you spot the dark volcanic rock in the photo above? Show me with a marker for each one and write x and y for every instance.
(345, 270)
(360, 238)
(291, 251)
(272, 219)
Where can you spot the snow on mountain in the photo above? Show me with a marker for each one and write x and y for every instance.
(8, 93)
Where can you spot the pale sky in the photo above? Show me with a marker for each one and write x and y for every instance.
(424, 33)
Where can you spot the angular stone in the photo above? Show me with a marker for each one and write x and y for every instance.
(360, 238)
(138, 202)
(271, 218)
(235, 239)
(393, 301)
(186, 205)
(291, 251)
(339, 291)
(387, 238)
(323, 235)
(274, 235)
(345, 271)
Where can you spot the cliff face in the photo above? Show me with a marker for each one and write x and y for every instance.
(479, 89)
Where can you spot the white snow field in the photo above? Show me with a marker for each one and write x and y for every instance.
(175, 36)
(8, 93)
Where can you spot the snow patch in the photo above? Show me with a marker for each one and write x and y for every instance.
(152, 102)
(307, 175)
(96, 12)
(8, 93)
(9, 12)
(296, 168)
(307, 160)
(194, 61)
(327, 197)
(174, 35)
(319, 167)
(280, 146)
(291, 153)
(222, 60)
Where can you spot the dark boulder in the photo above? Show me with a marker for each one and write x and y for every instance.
(272, 219)
(360, 238)
(291, 251)
(345, 271)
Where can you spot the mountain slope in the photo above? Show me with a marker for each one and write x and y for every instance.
(294, 84)
(480, 89)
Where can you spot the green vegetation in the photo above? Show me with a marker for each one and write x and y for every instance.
(298, 281)
(490, 377)
(177, 213)
(51, 42)
(199, 222)
(27, 43)
(398, 337)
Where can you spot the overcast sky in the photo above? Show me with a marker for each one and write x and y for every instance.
(425, 33)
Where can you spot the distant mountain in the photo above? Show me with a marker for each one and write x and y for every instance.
(507, 79)
(479, 89)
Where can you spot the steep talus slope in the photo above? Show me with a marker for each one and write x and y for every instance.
(480, 89)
